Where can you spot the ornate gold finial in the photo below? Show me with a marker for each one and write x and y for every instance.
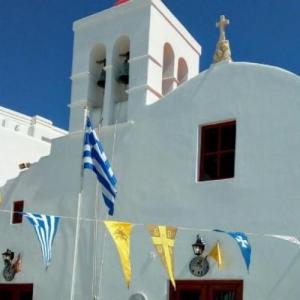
(223, 52)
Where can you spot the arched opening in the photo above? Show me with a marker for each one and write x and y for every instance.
(168, 69)
(97, 81)
(121, 56)
(183, 71)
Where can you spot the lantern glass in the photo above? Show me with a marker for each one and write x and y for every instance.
(199, 246)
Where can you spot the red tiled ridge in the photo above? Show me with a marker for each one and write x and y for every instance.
(118, 2)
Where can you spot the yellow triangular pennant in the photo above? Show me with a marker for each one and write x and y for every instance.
(163, 238)
(120, 233)
(216, 254)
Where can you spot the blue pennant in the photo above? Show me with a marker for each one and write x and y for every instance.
(243, 242)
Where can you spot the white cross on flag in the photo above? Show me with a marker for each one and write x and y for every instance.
(243, 243)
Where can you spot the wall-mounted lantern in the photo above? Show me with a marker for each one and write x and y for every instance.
(11, 268)
(199, 265)
(199, 246)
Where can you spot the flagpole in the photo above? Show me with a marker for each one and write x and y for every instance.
(106, 218)
(96, 206)
(79, 201)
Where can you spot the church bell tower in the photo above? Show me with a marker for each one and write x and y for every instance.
(128, 57)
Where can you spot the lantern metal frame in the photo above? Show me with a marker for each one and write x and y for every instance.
(199, 246)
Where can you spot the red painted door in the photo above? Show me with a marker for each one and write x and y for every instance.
(16, 291)
(207, 290)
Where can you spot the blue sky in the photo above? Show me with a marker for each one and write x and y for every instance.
(36, 43)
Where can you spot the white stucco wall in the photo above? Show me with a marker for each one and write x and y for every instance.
(155, 158)
(24, 139)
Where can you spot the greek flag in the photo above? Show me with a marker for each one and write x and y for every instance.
(45, 228)
(95, 159)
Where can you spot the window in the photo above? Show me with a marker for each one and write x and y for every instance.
(17, 216)
(217, 152)
(24, 166)
(183, 70)
(207, 289)
(168, 79)
(16, 291)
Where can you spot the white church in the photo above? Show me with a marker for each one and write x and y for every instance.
(215, 149)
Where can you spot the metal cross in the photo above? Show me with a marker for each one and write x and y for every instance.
(222, 25)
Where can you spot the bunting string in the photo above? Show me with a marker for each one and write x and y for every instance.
(289, 237)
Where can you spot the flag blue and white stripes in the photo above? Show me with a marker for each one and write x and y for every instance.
(45, 228)
(95, 159)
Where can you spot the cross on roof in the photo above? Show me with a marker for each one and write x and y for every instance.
(222, 25)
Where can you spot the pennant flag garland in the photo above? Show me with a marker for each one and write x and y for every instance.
(216, 254)
(242, 240)
(120, 233)
(163, 238)
(45, 228)
(288, 238)
(95, 159)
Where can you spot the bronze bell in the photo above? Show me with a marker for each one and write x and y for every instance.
(101, 81)
(124, 70)
(102, 78)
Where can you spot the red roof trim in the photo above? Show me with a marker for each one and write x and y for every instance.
(118, 2)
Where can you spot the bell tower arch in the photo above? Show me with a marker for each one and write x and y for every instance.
(97, 81)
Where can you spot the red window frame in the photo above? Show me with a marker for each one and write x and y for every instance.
(16, 291)
(17, 216)
(217, 153)
(207, 288)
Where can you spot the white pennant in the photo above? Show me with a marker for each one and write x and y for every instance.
(287, 238)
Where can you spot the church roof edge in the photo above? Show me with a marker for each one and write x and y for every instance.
(224, 64)
(250, 64)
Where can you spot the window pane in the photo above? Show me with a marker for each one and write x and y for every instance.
(209, 167)
(18, 217)
(217, 151)
(224, 296)
(6, 295)
(227, 165)
(228, 137)
(26, 296)
(210, 140)
(190, 295)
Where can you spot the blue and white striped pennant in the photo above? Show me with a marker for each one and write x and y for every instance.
(95, 159)
(45, 228)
